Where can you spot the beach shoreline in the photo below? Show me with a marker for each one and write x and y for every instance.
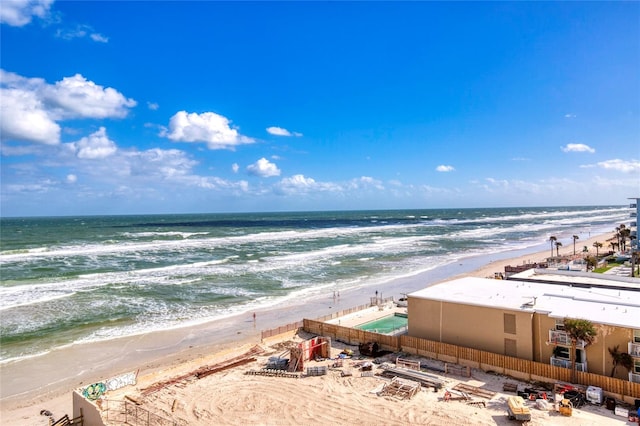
(30, 386)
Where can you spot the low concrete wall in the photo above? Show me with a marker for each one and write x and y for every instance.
(90, 412)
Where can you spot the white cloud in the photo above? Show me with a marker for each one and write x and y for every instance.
(432, 190)
(263, 168)
(301, 185)
(31, 108)
(18, 13)
(25, 118)
(296, 183)
(99, 38)
(161, 168)
(235, 167)
(621, 165)
(71, 178)
(153, 106)
(444, 168)
(570, 115)
(15, 150)
(365, 182)
(42, 186)
(279, 131)
(492, 185)
(81, 31)
(207, 127)
(96, 146)
(578, 147)
(76, 97)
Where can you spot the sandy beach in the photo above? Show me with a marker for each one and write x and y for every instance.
(45, 383)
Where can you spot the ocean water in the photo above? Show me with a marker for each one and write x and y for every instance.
(80, 279)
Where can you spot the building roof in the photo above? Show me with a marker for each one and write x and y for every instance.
(599, 305)
(579, 278)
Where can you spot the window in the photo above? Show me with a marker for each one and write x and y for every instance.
(561, 352)
(510, 323)
(560, 324)
(510, 347)
(636, 367)
(636, 336)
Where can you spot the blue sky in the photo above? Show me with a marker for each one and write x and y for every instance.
(171, 107)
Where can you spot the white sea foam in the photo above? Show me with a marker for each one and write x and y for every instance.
(554, 219)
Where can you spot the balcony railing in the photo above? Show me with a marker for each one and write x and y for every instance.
(558, 337)
(565, 363)
(633, 377)
(634, 349)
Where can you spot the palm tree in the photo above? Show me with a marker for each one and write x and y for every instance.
(578, 329)
(624, 234)
(620, 358)
(558, 245)
(575, 237)
(552, 239)
(613, 245)
(597, 245)
(592, 262)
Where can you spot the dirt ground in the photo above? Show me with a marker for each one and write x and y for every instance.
(342, 396)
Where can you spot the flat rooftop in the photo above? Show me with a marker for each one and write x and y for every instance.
(579, 279)
(598, 305)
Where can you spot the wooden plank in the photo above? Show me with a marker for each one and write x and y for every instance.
(474, 390)
(510, 387)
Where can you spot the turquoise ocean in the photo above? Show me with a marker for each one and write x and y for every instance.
(67, 280)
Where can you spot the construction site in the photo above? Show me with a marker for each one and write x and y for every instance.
(304, 378)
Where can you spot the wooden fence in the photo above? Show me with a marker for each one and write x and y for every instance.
(265, 334)
(520, 368)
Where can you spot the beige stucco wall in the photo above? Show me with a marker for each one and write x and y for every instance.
(542, 349)
(599, 361)
(483, 328)
(472, 326)
(424, 318)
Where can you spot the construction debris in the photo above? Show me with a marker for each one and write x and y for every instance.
(427, 380)
(474, 390)
(272, 373)
(510, 387)
(206, 370)
(454, 395)
(459, 370)
(317, 371)
(404, 389)
(407, 363)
